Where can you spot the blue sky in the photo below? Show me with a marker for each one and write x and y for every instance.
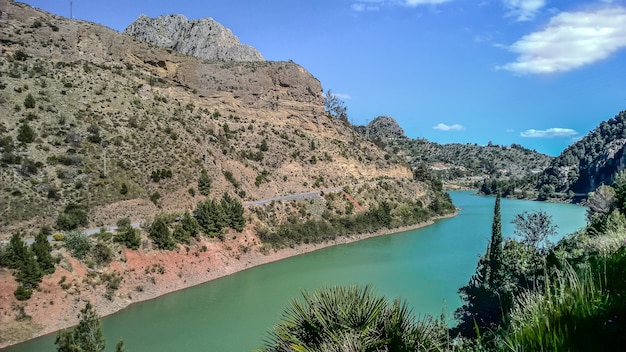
(539, 73)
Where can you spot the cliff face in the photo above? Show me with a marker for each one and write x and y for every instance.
(204, 38)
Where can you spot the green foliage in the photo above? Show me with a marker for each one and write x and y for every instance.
(154, 198)
(233, 211)
(29, 101)
(77, 244)
(181, 235)
(619, 185)
(158, 175)
(19, 55)
(353, 319)
(586, 164)
(230, 178)
(204, 183)
(126, 234)
(22, 294)
(25, 133)
(161, 235)
(42, 250)
(101, 254)
(534, 228)
(213, 216)
(190, 224)
(87, 336)
(72, 217)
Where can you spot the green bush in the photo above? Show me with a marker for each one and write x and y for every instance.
(25, 133)
(77, 244)
(29, 101)
(72, 217)
(126, 234)
(22, 293)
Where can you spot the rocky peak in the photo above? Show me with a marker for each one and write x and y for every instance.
(204, 38)
(385, 127)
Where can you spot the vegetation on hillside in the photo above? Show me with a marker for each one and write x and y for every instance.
(590, 162)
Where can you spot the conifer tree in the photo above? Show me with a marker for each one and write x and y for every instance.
(43, 251)
(204, 183)
(87, 336)
(161, 235)
(495, 255)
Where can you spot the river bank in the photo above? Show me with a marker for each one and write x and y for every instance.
(144, 275)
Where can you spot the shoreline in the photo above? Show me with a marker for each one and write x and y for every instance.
(138, 270)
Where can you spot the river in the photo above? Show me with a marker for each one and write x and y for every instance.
(234, 313)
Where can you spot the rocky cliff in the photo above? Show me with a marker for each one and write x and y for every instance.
(204, 38)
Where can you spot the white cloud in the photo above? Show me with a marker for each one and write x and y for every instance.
(444, 127)
(413, 3)
(571, 40)
(375, 5)
(524, 10)
(549, 133)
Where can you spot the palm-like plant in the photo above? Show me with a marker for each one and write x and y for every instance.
(352, 319)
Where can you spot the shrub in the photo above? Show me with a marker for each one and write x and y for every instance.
(22, 293)
(77, 244)
(20, 56)
(29, 101)
(58, 236)
(154, 197)
(72, 217)
(25, 134)
(126, 234)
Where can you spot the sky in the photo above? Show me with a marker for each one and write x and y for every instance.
(540, 73)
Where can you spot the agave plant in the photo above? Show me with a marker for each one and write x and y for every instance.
(345, 319)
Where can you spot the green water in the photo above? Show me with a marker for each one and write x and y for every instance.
(425, 267)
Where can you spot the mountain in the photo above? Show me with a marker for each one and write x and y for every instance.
(94, 117)
(590, 162)
(204, 38)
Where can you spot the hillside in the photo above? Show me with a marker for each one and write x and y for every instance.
(459, 163)
(122, 128)
(590, 162)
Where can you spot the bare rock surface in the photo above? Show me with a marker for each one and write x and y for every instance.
(204, 38)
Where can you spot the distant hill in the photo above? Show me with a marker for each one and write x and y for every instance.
(590, 162)
(456, 162)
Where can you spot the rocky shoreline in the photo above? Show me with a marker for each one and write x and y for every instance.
(144, 275)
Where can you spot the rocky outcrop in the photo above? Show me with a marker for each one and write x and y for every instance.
(385, 127)
(204, 38)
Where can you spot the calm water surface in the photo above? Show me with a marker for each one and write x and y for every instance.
(425, 267)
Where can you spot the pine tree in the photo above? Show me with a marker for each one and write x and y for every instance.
(43, 251)
(29, 273)
(190, 224)
(16, 253)
(204, 183)
(161, 235)
(87, 336)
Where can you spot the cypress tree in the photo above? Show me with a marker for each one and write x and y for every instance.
(495, 254)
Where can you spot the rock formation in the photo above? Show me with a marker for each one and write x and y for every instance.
(204, 38)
